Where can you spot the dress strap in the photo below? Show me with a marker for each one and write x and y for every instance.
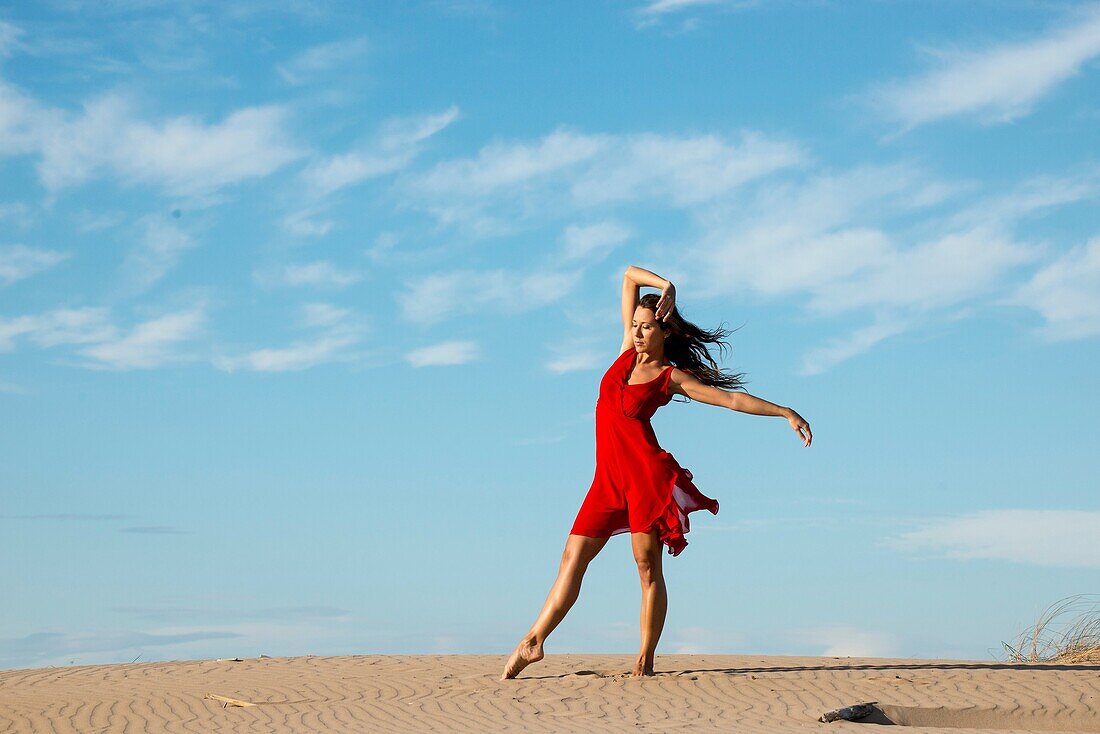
(662, 381)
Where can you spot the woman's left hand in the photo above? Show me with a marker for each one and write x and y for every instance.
(800, 426)
(666, 302)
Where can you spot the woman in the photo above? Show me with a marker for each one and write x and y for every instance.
(638, 486)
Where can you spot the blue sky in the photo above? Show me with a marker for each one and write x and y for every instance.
(303, 313)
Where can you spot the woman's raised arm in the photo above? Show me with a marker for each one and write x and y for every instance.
(633, 279)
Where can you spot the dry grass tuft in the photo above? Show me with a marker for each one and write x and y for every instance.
(1067, 632)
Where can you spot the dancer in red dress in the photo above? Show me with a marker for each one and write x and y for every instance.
(638, 486)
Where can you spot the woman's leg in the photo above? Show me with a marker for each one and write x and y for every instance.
(579, 552)
(647, 554)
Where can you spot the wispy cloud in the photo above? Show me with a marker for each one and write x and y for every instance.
(501, 165)
(161, 245)
(941, 272)
(102, 344)
(183, 155)
(336, 331)
(97, 221)
(577, 360)
(819, 359)
(150, 343)
(60, 326)
(191, 614)
(444, 353)
(393, 148)
(153, 530)
(84, 517)
(1066, 292)
(703, 640)
(19, 261)
(434, 298)
(848, 641)
(10, 388)
(304, 223)
(319, 273)
(997, 84)
(9, 37)
(845, 243)
(1038, 537)
(663, 7)
(566, 171)
(42, 647)
(322, 58)
(593, 242)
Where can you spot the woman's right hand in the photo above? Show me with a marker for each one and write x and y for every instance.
(666, 302)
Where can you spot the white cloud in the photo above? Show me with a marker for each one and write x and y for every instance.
(654, 11)
(162, 244)
(182, 154)
(594, 241)
(89, 221)
(792, 236)
(12, 389)
(845, 243)
(9, 37)
(819, 359)
(698, 640)
(389, 151)
(320, 273)
(578, 360)
(848, 641)
(325, 315)
(19, 261)
(997, 84)
(322, 58)
(60, 648)
(21, 118)
(58, 327)
(298, 356)
(103, 345)
(148, 344)
(502, 165)
(683, 170)
(1063, 538)
(444, 353)
(436, 297)
(337, 331)
(929, 275)
(1067, 294)
(302, 224)
(662, 7)
(566, 171)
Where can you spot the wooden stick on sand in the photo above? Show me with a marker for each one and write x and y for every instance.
(226, 701)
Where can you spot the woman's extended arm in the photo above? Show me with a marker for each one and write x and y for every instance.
(686, 384)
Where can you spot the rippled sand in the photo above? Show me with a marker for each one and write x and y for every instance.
(590, 693)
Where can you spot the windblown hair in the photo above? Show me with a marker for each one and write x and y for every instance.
(685, 347)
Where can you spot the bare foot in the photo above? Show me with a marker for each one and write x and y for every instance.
(643, 667)
(527, 651)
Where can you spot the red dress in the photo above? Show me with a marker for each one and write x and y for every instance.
(638, 486)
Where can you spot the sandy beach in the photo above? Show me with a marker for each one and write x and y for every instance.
(442, 693)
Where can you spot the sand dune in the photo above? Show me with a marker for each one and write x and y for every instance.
(591, 693)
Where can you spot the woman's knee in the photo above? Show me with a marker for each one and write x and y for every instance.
(580, 550)
(649, 568)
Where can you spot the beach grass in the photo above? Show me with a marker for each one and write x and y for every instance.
(1068, 631)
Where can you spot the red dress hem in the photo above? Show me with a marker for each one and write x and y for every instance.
(673, 523)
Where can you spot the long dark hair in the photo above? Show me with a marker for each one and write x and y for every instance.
(685, 347)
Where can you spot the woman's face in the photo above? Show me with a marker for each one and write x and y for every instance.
(648, 335)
